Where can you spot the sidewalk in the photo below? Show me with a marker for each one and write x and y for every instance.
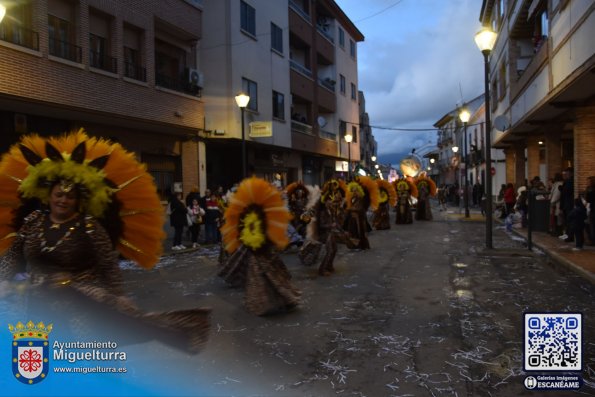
(559, 252)
(581, 262)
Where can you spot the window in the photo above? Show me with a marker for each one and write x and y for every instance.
(248, 18)
(278, 105)
(353, 92)
(342, 84)
(133, 64)
(352, 48)
(171, 69)
(276, 38)
(16, 27)
(61, 34)
(250, 88)
(502, 81)
(354, 133)
(97, 51)
(341, 37)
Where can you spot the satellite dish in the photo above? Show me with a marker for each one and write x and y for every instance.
(501, 123)
(321, 121)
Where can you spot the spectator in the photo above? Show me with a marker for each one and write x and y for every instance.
(194, 194)
(212, 219)
(567, 201)
(196, 215)
(509, 199)
(177, 219)
(576, 223)
(556, 218)
(590, 199)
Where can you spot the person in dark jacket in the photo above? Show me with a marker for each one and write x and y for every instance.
(177, 219)
(590, 198)
(567, 202)
(576, 223)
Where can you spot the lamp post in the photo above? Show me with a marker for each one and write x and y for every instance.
(348, 139)
(485, 40)
(242, 100)
(464, 115)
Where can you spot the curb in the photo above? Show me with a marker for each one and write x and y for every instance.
(560, 260)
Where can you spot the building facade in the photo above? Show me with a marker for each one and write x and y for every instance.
(368, 146)
(297, 60)
(119, 69)
(542, 86)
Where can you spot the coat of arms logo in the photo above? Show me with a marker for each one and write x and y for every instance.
(30, 351)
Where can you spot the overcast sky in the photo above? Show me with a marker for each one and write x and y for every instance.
(417, 59)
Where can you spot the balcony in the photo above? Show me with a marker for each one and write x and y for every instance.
(300, 68)
(302, 128)
(297, 7)
(135, 72)
(328, 135)
(177, 84)
(66, 50)
(101, 61)
(20, 36)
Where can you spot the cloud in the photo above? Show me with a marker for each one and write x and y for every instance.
(415, 61)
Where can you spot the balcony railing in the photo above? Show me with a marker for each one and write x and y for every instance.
(102, 61)
(300, 68)
(134, 71)
(176, 84)
(327, 83)
(65, 50)
(20, 36)
(325, 31)
(298, 8)
(328, 135)
(301, 127)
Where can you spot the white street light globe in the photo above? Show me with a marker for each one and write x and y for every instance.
(377, 166)
(455, 149)
(373, 158)
(242, 99)
(348, 138)
(432, 161)
(464, 115)
(485, 39)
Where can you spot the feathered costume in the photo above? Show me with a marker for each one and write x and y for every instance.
(388, 199)
(297, 199)
(119, 211)
(405, 189)
(324, 228)
(362, 193)
(426, 188)
(255, 231)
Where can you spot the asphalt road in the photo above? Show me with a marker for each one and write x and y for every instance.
(426, 312)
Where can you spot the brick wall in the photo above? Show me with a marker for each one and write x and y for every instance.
(584, 147)
(532, 157)
(553, 152)
(40, 78)
(510, 165)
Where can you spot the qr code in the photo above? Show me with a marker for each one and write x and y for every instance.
(553, 341)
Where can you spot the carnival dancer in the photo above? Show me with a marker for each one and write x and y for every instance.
(254, 233)
(93, 200)
(362, 193)
(405, 189)
(426, 188)
(388, 199)
(324, 228)
(297, 199)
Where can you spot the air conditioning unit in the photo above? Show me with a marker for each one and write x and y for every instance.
(195, 77)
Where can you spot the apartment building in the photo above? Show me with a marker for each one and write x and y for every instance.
(368, 146)
(542, 86)
(120, 69)
(297, 60)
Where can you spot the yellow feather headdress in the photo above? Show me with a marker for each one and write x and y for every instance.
(387, 192)
(256, 214)
(108, 178)
(405, 184)
(369, 188)
(424, 180)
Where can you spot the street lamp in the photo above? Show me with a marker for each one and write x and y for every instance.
(373, 158)
(432, 160)
(348, 139)
(485, 40)
(455, 149)
(464, 115)
(242, 100)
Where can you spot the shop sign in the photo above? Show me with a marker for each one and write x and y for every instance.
(261, 129)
